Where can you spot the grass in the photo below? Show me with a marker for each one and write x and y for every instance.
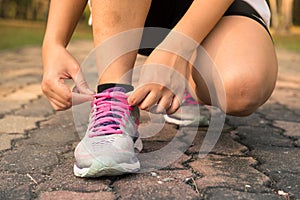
(289, 42)
(16, 33)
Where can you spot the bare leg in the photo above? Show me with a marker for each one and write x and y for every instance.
(111, 17)
(246, 61)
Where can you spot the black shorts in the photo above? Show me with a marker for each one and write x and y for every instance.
(167, 13)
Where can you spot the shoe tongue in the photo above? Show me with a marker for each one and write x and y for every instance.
(111, 87)
(114, 87)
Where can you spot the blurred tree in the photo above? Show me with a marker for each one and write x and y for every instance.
(296, 13)
(8, 9)
(29, 10)
(275, 14)
(287, 14)
(24, 9)
(282, 15)
(23, 5)
(39, 9)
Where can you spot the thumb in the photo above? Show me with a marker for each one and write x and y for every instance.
(81, 93)
(81, 85)
(176, 103)
(80, 98)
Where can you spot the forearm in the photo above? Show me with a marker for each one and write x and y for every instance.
(201, 17)
(62, 20)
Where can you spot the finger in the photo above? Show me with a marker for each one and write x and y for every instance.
(163, 104)
(52, 95)
(62, 100)
(149, 101)
(60, 92)
(176, 102)
(55, 90)
(58, 106)
(76, 98)
(81, 84)
(81, 98)
(137, 96)
(54, 106)
(60, 103)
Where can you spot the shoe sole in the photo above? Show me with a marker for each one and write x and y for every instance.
(198, 121)
(98, 169)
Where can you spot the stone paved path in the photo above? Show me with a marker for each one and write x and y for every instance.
(257, 157)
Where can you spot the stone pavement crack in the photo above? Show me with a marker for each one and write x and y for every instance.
(272, 184)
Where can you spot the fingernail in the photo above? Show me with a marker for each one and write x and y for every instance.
(130, 101)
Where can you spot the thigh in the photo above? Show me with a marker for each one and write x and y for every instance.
(245, 59)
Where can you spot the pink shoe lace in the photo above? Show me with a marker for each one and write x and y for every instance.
(188, 99)
(109, 109)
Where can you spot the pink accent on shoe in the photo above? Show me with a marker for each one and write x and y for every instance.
(188, 99)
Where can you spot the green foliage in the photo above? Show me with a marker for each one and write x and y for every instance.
(17, 33)
(289, 42)
(24, 9)
(13, 37)
(36, 10)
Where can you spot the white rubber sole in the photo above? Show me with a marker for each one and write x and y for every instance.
(98, 169)
(197, 121)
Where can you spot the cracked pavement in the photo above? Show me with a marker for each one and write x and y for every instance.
(256, 157)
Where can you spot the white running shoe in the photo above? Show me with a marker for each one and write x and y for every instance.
(108, 145)
(188, 114)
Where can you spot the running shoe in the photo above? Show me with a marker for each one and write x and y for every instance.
(188, 114)
(108, 145)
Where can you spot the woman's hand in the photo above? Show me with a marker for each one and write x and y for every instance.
(58, 66)
(162, 82)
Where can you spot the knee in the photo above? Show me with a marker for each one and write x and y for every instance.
(244, 94)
